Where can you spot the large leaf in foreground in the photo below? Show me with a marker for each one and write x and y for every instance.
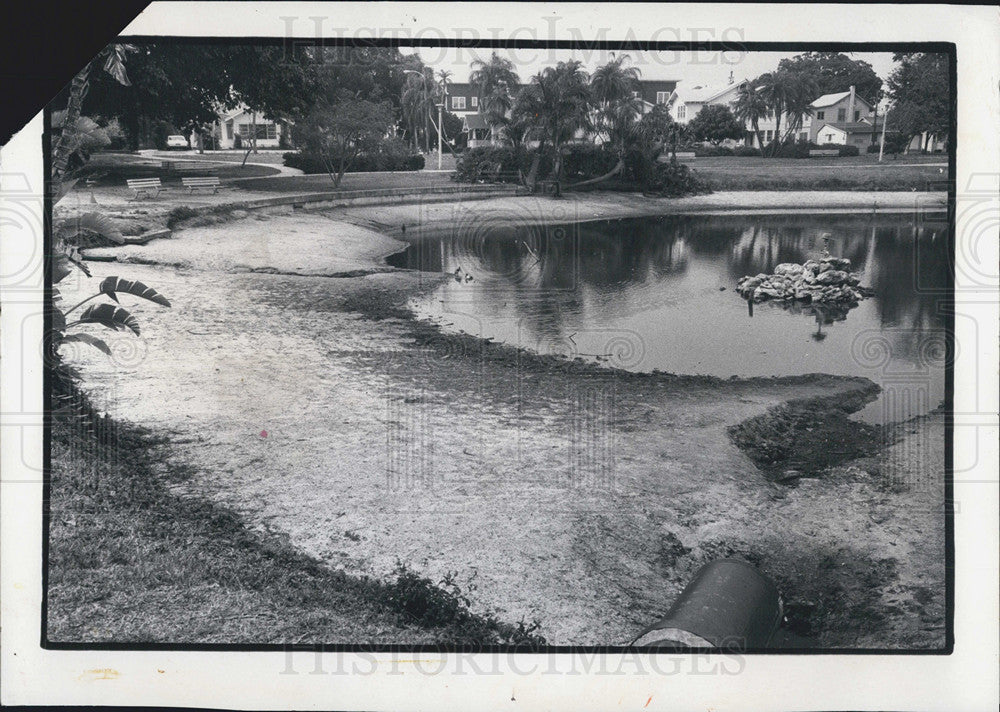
(102, 225)
(110, 316)
(88, 339)
(112, 285)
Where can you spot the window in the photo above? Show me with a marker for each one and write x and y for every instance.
(804, 136)
(820, 115)
(857, 115)
(475, 102)
(264, 131)
(662, 97)
(682, 112)
(635, 95)
(841, 114)
(229, 129)
(829, 138)
(768, 135)
(458, 102)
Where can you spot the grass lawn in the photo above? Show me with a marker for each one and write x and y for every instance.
(351, 181)
(114, 169)
(131, 559)
(849, 173)
(228, 157)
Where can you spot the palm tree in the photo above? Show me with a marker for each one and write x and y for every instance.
(113, 58)
(613, 87)
(496, 80)
(787, 94)
(418, 101)
(557, 103)
(798, 103)
(750, 107)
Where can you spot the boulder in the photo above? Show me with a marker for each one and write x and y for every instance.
(788, 268)
(832, 276)
(841, 263)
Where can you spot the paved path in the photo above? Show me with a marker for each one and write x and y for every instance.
(282, 169)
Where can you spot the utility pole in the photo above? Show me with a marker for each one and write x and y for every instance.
(439, 127)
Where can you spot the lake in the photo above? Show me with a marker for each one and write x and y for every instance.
(659, 293)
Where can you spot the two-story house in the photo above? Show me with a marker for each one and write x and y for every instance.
(463, 98)
(841, 118)
(691, 100)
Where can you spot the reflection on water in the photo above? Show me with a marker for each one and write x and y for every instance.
(658, 293)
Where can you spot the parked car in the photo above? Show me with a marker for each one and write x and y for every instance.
(176, 141)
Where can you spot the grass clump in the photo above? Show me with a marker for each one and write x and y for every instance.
(809, 435)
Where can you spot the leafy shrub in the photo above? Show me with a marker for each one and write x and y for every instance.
(746, 151)
(491, 164)
(710, 151)
(676, 179)
(584, 161)
(415, 162)
(848, 150)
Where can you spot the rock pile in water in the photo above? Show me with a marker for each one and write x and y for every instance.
(828, 281)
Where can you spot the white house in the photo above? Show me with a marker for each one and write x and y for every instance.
(691, 100)
(241, 122)
(842, 118)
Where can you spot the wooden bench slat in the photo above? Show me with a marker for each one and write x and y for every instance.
(201, 182)
(144, 185)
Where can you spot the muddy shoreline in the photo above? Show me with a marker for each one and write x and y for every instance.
(560, 491)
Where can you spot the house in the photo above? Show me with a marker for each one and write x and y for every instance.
(479, 132)
(240, 122)
(655, 91)
(843, 116)
(690, 101)
(463, 98)
(843, 110)
(858, 134)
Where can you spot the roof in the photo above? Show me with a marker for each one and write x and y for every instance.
(703, 94)
(471, 122)
(829, 99)
(852, 128)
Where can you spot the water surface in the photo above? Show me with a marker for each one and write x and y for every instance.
(659, 294)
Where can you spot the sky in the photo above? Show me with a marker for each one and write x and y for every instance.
(693, 68)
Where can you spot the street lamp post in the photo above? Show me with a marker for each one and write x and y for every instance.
(440, 116)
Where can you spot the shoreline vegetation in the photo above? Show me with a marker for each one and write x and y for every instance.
(122, 513)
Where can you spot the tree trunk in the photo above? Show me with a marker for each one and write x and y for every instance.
(253, 131)
(619, 167)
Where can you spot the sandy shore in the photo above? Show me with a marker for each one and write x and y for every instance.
(302, 397)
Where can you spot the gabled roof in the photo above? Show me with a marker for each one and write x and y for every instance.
(852, 128)
(703, 94)
(470, 122)
(831, 99)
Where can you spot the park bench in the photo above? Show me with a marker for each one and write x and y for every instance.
(193, 184)
(147, 186)
(814, 152)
